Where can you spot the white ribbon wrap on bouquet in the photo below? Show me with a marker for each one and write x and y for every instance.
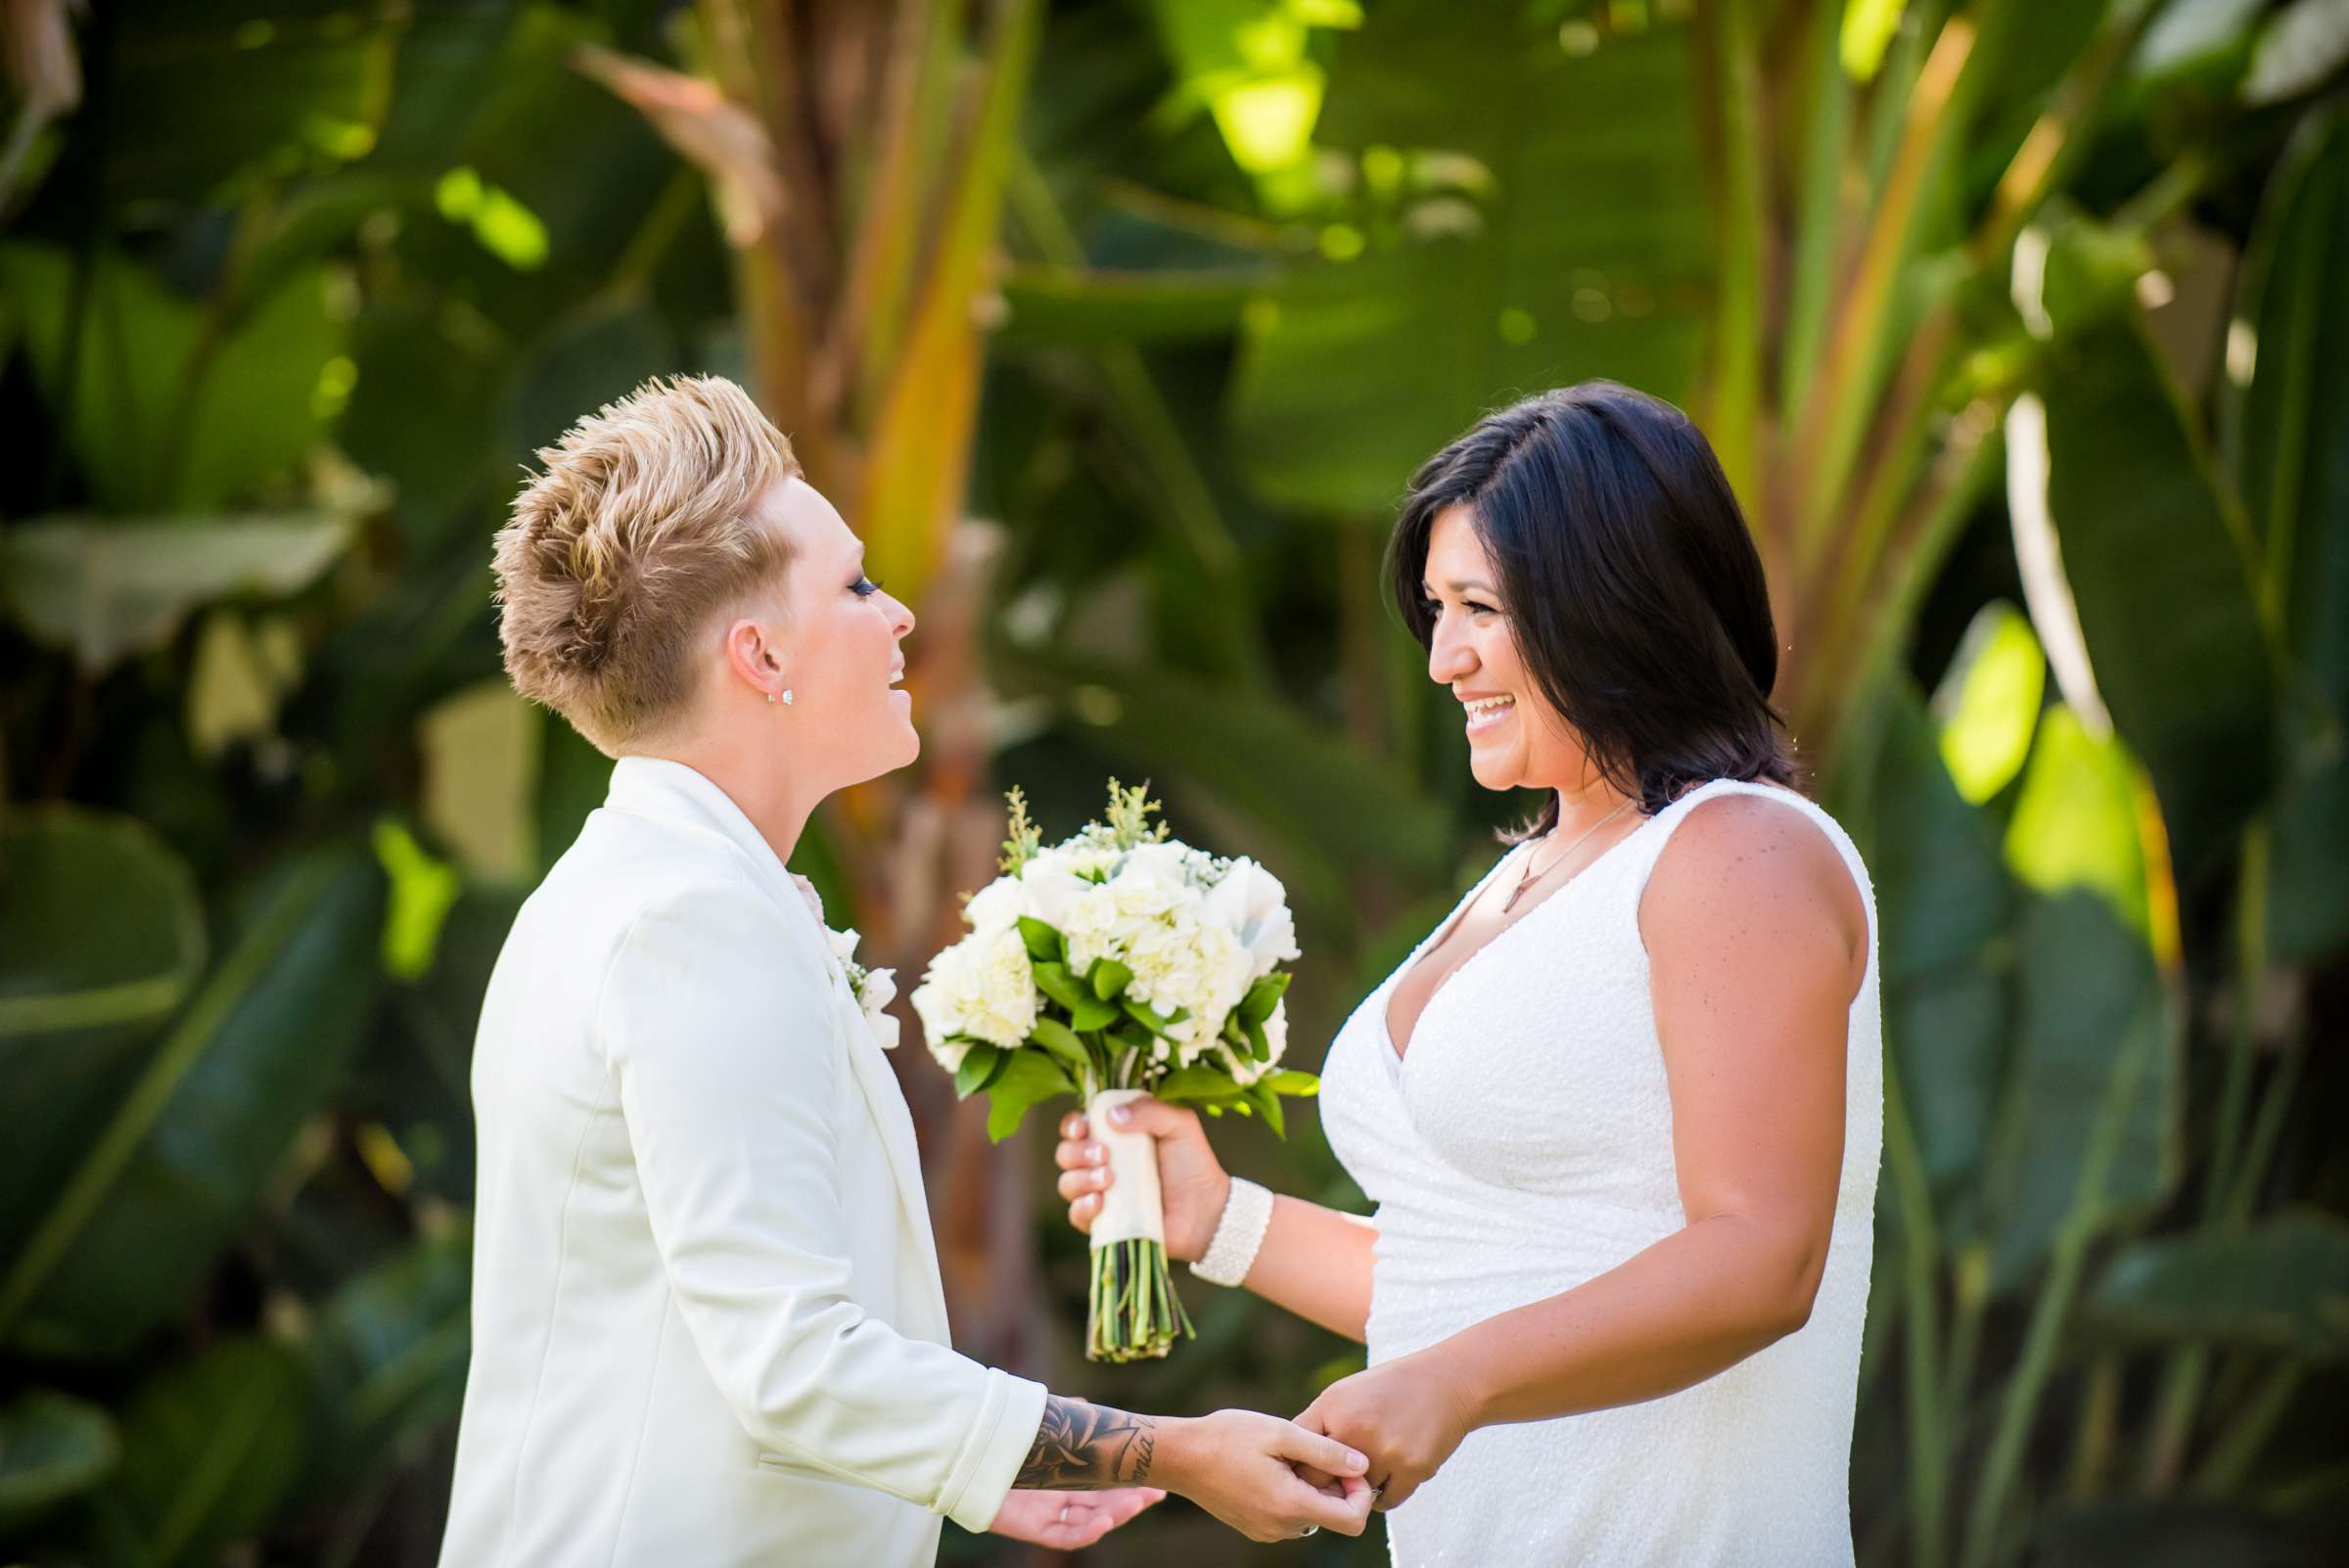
(1131, 1206)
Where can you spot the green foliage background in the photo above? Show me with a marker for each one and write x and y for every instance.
(2023, 330)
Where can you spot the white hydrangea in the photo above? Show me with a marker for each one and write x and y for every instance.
(980, 986)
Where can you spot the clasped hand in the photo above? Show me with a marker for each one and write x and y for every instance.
(1406, 1415)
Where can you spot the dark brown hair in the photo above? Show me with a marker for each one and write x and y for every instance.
(1634, 591)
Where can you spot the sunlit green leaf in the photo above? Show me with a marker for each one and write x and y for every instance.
(1988, 704)
(2078, 821)
(1582, 248)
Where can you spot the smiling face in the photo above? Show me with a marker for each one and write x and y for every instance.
(1517, 740)
(830, 637)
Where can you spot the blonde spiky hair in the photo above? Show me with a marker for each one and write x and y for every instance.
(637, 528)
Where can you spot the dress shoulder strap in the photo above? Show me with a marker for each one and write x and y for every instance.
(1663, 824)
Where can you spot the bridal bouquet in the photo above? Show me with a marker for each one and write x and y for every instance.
(1118, 963)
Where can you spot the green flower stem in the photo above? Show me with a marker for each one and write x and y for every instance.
(1133, 1313)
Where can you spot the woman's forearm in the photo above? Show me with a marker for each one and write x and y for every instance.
(1695, 1303)
(1315, 1263)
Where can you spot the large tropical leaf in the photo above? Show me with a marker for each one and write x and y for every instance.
(388, 1354)
(2180, 1533)
(1075, 306)
(167, 410)
(2281, 1284)
(106, 589)
(296, 88)
(209, 1448)
(2087, 1135)
(176, 1171)
(1558, 234)
(2287, 445)
(2156, 553)
(101, 936)
(51, 1448)
(1947, 951)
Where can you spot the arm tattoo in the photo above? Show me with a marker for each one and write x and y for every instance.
(1083, 1448)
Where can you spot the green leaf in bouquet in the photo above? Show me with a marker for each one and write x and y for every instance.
(1027, 1078)
(1053, 979)
(1262, 998)
(1110, 979)
(1062, 1041)
(1288, 1082)
(1198, 1083)
(1129, 1035)
(1044, 944)
(1258, 1046)
(978, 1070)
(1092, 1013)
(1146, 1016)
(1260, 1096)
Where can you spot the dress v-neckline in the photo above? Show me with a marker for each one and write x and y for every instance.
(1398, 1055)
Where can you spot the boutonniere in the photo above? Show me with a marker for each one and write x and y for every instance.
(873, 988)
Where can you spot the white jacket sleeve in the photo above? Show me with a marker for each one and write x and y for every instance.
(718, 1028)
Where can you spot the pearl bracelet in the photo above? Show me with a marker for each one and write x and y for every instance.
(1238, 1234)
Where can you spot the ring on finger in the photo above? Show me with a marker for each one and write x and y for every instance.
(1309, 1530)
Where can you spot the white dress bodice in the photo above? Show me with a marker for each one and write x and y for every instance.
(1522, 1146)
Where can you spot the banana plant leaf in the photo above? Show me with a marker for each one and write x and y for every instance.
(197, 417)
(1559, 231)
(167, 1183)
(2286, 439)
(104, 936)
(1946, 906)
(2157, 554)
(2178, 1533)
(110, 588)
(2280, 1285)
(387, 1356)
(210, 1447)
(2088, 1127)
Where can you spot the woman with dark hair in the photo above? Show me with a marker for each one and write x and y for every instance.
(1621, 1113)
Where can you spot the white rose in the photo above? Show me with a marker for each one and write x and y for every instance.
(1166, 861)
(1051, 888)
(1251, 903)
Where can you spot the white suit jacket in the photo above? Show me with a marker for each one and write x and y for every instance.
(708, 1328)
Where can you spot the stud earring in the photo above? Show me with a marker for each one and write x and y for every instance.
(787, 696)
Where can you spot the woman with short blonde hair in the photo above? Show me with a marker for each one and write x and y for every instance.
(708, 1325)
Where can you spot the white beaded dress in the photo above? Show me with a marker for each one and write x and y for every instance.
(1522, 1146)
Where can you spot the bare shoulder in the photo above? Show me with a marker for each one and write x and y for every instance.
(1742, 863)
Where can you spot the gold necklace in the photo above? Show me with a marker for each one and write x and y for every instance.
(1529, 876)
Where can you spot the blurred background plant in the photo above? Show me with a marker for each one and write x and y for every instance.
(1116, 326)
